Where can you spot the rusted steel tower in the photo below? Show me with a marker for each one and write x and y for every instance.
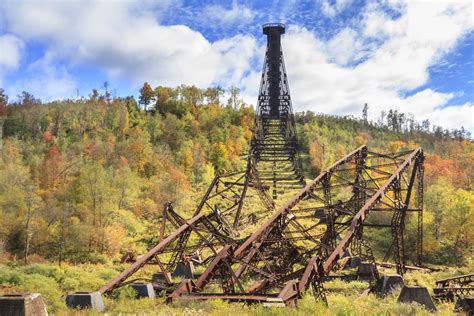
(308, 238)
(275, 142)
(236, 200)
(305, 239)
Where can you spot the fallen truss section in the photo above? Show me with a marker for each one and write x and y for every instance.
(461, 285)
(305, 239)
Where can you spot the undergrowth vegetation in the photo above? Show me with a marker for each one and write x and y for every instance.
(344, 298)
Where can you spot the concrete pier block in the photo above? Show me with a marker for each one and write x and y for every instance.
(184, 269)
(30, 304)
(366, 271)
(82, 300)
(161, 278)
(352, 262)
(465, 304)
(143, 289)
(388, 283)
(418, 294)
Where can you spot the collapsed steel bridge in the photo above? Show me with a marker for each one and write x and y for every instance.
(259, 251)
(227, 209)
(305, 239)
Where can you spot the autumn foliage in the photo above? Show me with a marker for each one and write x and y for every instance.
(84, 180)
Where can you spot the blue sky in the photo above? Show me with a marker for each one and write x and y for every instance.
(414, 56)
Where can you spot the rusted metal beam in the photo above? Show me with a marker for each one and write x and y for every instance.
(359, 218)
(148, 256)
(323, 268)
(298, 197)
(250, 247)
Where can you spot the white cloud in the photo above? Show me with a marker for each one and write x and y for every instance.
(321, 81)
(454, 116)
(331, 10)
(345, 47)
(126, 40)
(43, 78)
(236, 14)
(10, 52)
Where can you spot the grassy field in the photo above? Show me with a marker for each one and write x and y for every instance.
(54, 282)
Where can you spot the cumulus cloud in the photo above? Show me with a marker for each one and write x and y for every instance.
(44, 78)
(236, 14)
(331, 10)
(345, 47)
(322, 81)
(380, 60)
(10, 51)
(127, 42)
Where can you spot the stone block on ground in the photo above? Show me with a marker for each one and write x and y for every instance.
(184, 269)
(465, 304)
(143, 289)
(418, 294)
(352, 262)
(83, 300)
(366, 271)
(30, 304)
(388, 283)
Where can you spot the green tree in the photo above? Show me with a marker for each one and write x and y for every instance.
(437, 201)
(3, 102)
(146, 95)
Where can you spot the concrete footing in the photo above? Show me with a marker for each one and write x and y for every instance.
(82, 300)
(465, 304)
(388, 283)
(418, 294)
(161, 278)
(366, 271)
(30, 304)
(352, 262)
(143, 289)
(184, 269)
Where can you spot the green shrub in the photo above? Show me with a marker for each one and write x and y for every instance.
(124, 293)
(45, 270)
(11, 276)
(70, 284)
(47, 287)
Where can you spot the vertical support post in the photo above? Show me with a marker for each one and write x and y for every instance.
(419, 241)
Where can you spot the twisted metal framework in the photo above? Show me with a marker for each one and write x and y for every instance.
(448, 289)
(305, 239)
(302, 241)
(222, 214)
(217, 220)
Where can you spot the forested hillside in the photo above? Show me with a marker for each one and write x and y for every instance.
(85, 180)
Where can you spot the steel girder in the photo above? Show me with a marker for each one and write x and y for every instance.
(461, 285)
(216, 221)
(296, 247)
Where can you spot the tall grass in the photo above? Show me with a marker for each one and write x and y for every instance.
(343, 297)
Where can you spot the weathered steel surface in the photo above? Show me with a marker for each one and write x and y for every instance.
(275, 141)
(147, 257)
(458, 286)
(335, 227)
(305, 239)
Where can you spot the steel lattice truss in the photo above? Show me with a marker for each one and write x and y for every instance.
(219, 219)
(461, 285)
(275, 141)
(304, 239)
(296, 245)
(222, 215)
